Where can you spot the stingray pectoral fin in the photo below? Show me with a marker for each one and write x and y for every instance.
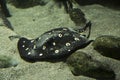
(24, 49)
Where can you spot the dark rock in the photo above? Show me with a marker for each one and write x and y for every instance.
(115, 4)
(3, 8)
(108, 46)
(77, 16)
(6, 62)
(5, 21)
(27, 3)
(66, 3)
(82, 64)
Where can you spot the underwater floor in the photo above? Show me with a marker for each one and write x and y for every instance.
(32, 22)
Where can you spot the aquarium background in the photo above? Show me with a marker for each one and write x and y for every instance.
(33, 18)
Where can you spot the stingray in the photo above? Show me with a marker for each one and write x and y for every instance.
(56, 44)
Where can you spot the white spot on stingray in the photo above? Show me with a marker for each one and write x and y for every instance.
(51, 48)
(44, 47)
(76, 39)
(23, 45)
(29, 53)
(26, 49)
(54, 43)
(64, 29)
(69, 50)
(39, 38)
(56, 51)
(67, 44)
(40, 54)
(60, 35)
(53, 31)
(23, 41)
(49, 33)
(34, 47)
(32, 41)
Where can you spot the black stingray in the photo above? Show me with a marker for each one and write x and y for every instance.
(54, 44)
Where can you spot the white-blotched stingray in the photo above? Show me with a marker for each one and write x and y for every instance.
(55, 44)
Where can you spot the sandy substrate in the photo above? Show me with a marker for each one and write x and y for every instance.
(34, 21)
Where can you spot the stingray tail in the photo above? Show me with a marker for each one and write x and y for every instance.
(86, 30)
(14, 37)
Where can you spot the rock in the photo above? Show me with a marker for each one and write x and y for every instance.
(77, 16)
(3, 8)
(108, 3)
(8, 56)
(6, 61)
(108, 46)
(4, 21)
(82, 64)
(28, 3)
(68, 4)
